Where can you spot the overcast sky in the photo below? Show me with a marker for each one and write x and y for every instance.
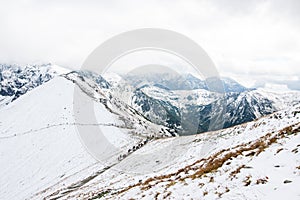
(251, 41)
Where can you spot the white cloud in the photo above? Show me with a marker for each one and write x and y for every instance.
(245, 38)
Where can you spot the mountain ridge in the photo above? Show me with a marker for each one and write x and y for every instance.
(176, 109)
(44, 158)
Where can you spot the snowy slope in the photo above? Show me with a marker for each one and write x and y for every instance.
(257, 160)
(16, 80)
(39, 145)
(38, 142)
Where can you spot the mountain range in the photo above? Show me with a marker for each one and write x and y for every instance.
(183, 103)
(186, 104)
(256, 156)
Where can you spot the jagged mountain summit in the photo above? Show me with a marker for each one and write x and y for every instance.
(16, 80)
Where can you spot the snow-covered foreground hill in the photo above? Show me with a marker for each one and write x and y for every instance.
(39, 145)
(42, 157)
(257, 160)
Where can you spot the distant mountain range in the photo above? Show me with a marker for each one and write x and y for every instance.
(181, 82)
(186, 103)
(183, 103)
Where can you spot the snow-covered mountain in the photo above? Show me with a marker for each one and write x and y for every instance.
(182, 103)
(194, 111)
(38, 131)
(42, 156)
(16, 80)
(174, 81)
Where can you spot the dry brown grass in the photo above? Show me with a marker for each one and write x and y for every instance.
(201, 185)
(167, 195)
(170, 184)
(262, 181)
(215, 161)
(237, 171)
(247, 181)
(156, 195)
